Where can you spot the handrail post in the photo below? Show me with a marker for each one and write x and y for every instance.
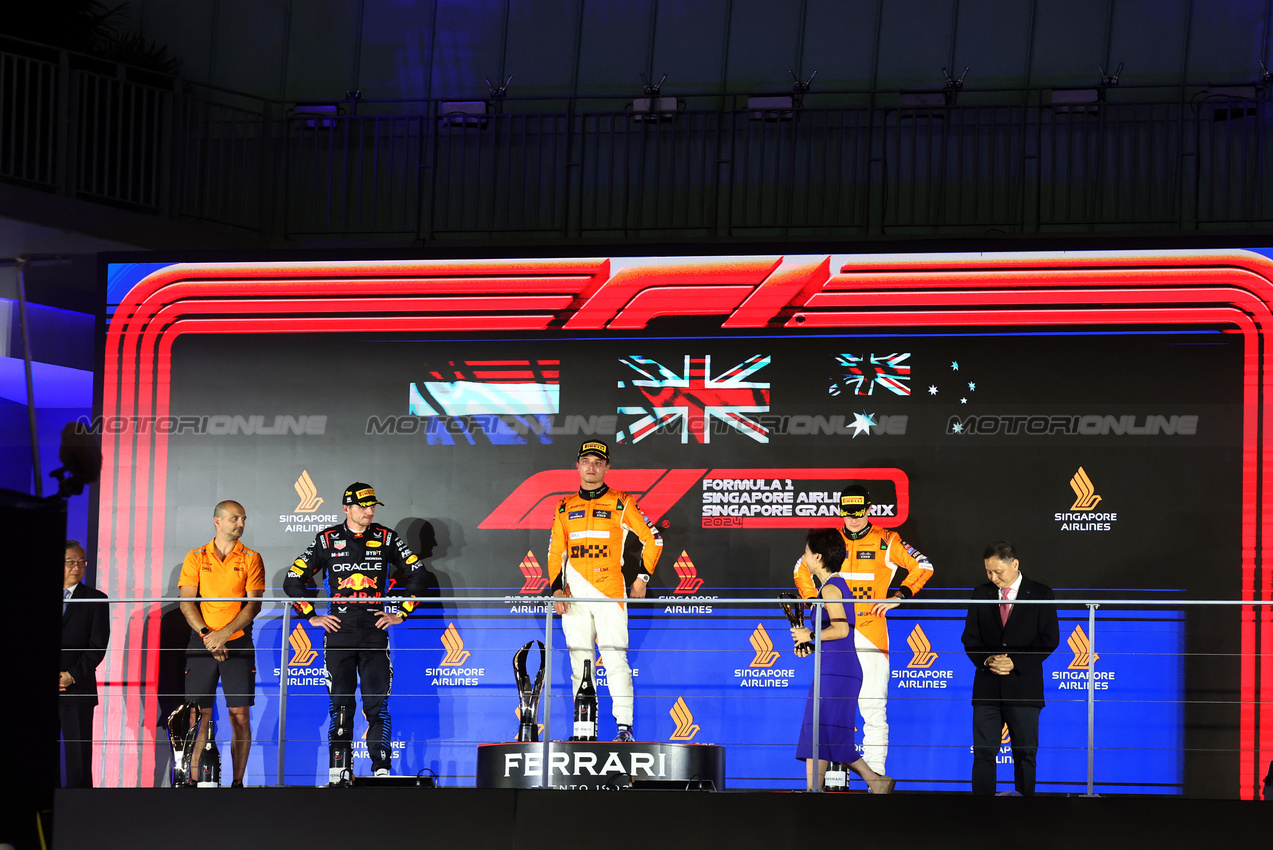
(1091, 699)
(817, 684)
(282, 694)
(544, 775)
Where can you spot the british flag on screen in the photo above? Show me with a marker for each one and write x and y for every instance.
(695, 398)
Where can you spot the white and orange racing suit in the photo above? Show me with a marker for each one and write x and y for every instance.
(585, 559)
(871, 558)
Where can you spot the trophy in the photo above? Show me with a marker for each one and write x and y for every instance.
(181, 736)
(795, 615)
(339, 771)
(528, 694)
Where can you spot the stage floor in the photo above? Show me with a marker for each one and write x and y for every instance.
(520, 820)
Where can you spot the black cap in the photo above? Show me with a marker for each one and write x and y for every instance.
(855, 501)
(595, 447)
(359, 493)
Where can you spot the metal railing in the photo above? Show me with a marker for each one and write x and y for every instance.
(842, 165)
(134, 689)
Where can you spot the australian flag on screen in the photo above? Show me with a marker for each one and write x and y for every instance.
(499, 401)
(862, 374)
(694, 397)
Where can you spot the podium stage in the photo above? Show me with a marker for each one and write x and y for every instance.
(492, 819)
(602, 765)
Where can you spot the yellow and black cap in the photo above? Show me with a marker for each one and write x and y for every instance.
(359, 493)
(855, 501)
(595, 447)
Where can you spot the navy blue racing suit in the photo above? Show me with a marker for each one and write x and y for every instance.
(356, 567)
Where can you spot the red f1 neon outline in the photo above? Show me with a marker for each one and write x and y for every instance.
(532, 504)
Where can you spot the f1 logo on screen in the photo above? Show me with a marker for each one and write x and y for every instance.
(731, 498)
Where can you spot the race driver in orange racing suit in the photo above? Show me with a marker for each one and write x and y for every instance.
(871, 558)
(585, 559)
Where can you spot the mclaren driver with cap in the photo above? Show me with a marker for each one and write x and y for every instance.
(357, 559)
(585, 560)
(872, 557)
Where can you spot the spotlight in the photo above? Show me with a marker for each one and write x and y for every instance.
(471, 114)
(653, 107)
(929, 99)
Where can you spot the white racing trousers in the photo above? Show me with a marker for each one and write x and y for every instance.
(873, 701)
(606, 623)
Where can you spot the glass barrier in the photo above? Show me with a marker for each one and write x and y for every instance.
(718, 671)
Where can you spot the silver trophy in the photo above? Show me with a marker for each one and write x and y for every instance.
(181, 736)
(794, 609)
(528, 694)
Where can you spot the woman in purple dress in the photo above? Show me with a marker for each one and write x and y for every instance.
(841, 671)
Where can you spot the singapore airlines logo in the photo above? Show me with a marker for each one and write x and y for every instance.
(686, 728)
(1085, 498)
(1004, 738)
(303, 652)
(456, 654)
(765, 654)
(1082, 649)
(533, 574)
(687, 575)
(310, 500)
(922, 655)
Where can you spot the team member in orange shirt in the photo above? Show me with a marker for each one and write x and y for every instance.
(872, 557)
(585, 559)
(221, 644)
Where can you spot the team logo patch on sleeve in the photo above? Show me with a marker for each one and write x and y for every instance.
(412, 560)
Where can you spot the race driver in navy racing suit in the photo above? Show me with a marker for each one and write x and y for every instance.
(356, 560)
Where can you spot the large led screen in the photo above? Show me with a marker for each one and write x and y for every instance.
(1102, 410)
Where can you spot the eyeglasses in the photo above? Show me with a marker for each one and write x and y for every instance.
(76, 562)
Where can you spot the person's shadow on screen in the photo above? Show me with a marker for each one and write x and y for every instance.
(416, 713)
(170, 680)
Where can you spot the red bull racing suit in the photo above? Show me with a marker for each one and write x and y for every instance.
(355, 567)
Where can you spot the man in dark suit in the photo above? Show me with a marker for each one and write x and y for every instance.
(85, 633)
(1008, 643)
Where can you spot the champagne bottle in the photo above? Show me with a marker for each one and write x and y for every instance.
(586, 707)
(210, 759)
(837, 777)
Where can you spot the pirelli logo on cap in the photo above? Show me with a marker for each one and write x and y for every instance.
(855, 502)
(363, 494)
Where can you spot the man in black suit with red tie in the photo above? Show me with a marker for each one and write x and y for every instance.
(85, 633)
(1008, 643)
